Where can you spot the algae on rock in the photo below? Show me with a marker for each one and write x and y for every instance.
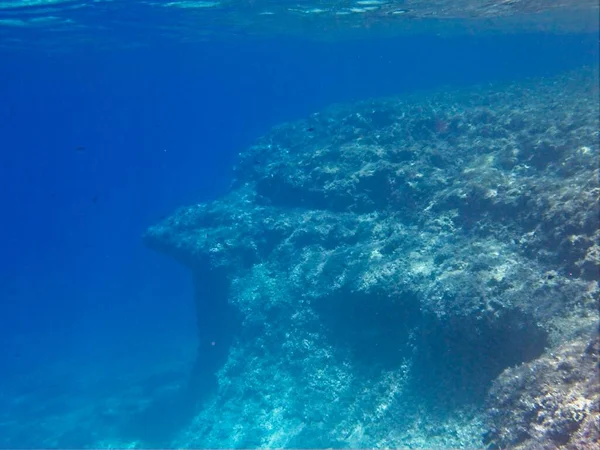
(376, 280)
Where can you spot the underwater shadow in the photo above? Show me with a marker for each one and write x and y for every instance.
(158, 424)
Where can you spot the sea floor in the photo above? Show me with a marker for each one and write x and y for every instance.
(97, 400)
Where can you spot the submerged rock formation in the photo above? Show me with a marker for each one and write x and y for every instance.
(403, 272)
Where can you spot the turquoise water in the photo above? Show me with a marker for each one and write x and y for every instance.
(58, 24)
(296, 224)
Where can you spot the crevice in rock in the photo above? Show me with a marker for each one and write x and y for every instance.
(454, 362)
(219, 323)
(279, 190)
(457, 362)
(373, 329)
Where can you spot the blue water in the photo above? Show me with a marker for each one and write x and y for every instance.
(97, 144)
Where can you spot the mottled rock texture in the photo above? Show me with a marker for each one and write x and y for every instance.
(551, 402)
(379, 274)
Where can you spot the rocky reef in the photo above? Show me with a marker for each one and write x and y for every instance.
(407, 272)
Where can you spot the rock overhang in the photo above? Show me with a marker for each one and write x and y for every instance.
(416, 229)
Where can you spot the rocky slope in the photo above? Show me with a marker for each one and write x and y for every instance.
(403, 272)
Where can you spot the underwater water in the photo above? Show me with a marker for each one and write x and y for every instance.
(260, 223)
